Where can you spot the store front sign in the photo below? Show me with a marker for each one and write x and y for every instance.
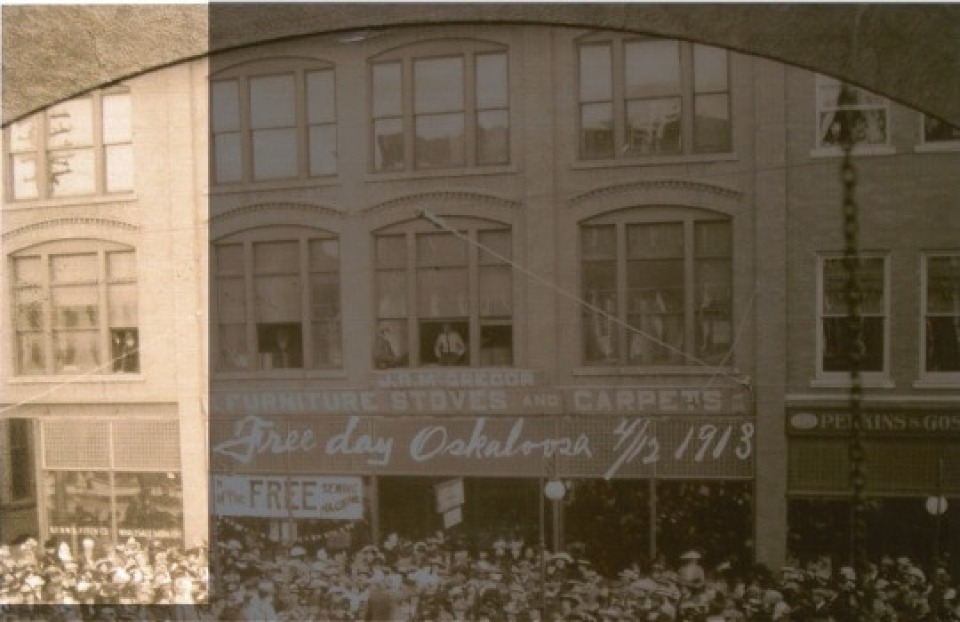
(879, 423)
(590, 446)
(75, 530)
(450, 494)
(337, 498)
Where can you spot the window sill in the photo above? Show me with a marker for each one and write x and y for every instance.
(86, 201)
(279, 184)
(20, 504)
(67, 378)
(633, 161)
(281, 374)
(949, 381)
(659, 370)
(938, 147)
(836, 152)
(507, 169)
(842, 381)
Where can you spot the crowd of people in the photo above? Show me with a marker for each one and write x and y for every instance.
(250, 578)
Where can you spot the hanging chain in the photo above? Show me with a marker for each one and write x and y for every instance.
(855, 345)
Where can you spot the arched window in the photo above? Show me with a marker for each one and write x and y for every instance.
(442, 104)
(659, 285)
(76, 308)
(441, 300)
(272, 121)
(278, 300)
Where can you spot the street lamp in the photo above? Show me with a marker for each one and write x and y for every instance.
(555, 490)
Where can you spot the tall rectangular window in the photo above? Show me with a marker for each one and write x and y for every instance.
(442, 298)
(941, 314)
(76, 310)
(80, 147)
(836, 331)
(278, 301)
(21, 459)
(868, 114)
(446, 108)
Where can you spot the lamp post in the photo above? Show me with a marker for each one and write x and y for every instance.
(937, 507)
(555, 491)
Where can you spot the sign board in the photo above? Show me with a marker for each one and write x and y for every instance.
(453, 517)
(899, 423)
(449, 494)
(289, 497)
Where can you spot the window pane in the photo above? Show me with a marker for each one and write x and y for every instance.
(493, 137)
(713, 319)
(600, 330)
(77, 351)
(71, 172)
(272, 101)
(321, 106)
(837, 338)
(23, 135)
(119, 168)
(277, 299)
(326, 345)
(116, 118)
(70, 124)
(491, 81)
(441, 249)
(391, 250)
(225, 106)
(122, 301)
(25, 184)
(496, 241)
(712, 239)
(444, 343)
(598, 242)
(496, 291)
(496, 345)
(387, 90)
(274, 154)
(392, 293)
(653, 126)
(872, 286)
(660, 240)
(943, 285)
(276, 257)
(709, 68)
(75, 306)
(150, 503)
(935, 130)
(74, 268)
(596, 77)
(652, 68)
(438, 85)
(125, 350)
(388, 155)
(27, 270)
(280, 346)
(233, 347)
(79, 500)
(30, 353)
(442, 292)
(943, 343)
(711, 127)
(324, 255)
(29, 308)
(325, 296)
(391, 349)
(230, 259)
(323, 150)
(834, 287)
(229, 159)
(596, 131)
(440, 141)
(231, 303)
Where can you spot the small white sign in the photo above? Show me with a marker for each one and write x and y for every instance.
(453, 517)
(449, 494)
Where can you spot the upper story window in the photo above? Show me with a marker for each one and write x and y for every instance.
(937, 133)
(665, 274)
(76, 309)
(278, 300)
(440, 105)
(869, 115)
(941, 305)
(80, 147)
(440, 299)
(836, 333)
(647, 97)
(278, 123)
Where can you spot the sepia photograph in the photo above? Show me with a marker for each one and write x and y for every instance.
(486, 312)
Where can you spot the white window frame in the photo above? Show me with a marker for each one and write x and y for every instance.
(98, 147)
(687, 96)
(820, 150)
(255, 367)
(927, 377)
(241, 75)
(934, 145)
(469, 50)
(842, 378)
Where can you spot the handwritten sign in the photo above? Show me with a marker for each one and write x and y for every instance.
(589, 446)
(289, 497)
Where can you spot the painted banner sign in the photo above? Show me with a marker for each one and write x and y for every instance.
(289, 497)
(875, 423)
(587, 446)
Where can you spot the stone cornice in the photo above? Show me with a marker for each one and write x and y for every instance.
(681, 185)
(459, 196)
(246, 210)
(78, 221)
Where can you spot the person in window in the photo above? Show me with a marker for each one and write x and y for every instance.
(125, 351)
(449, 348)
(388, 350)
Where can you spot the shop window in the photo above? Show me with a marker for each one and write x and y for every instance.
(269, 125)
(80, 147)
(649, 97)
(440, 106)
(278, 300)
(937, 134)
(658, 284)
(21, 459)
(442, 300)
(836, 331)
(76, 309)
(868, 114)
(941, 319)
